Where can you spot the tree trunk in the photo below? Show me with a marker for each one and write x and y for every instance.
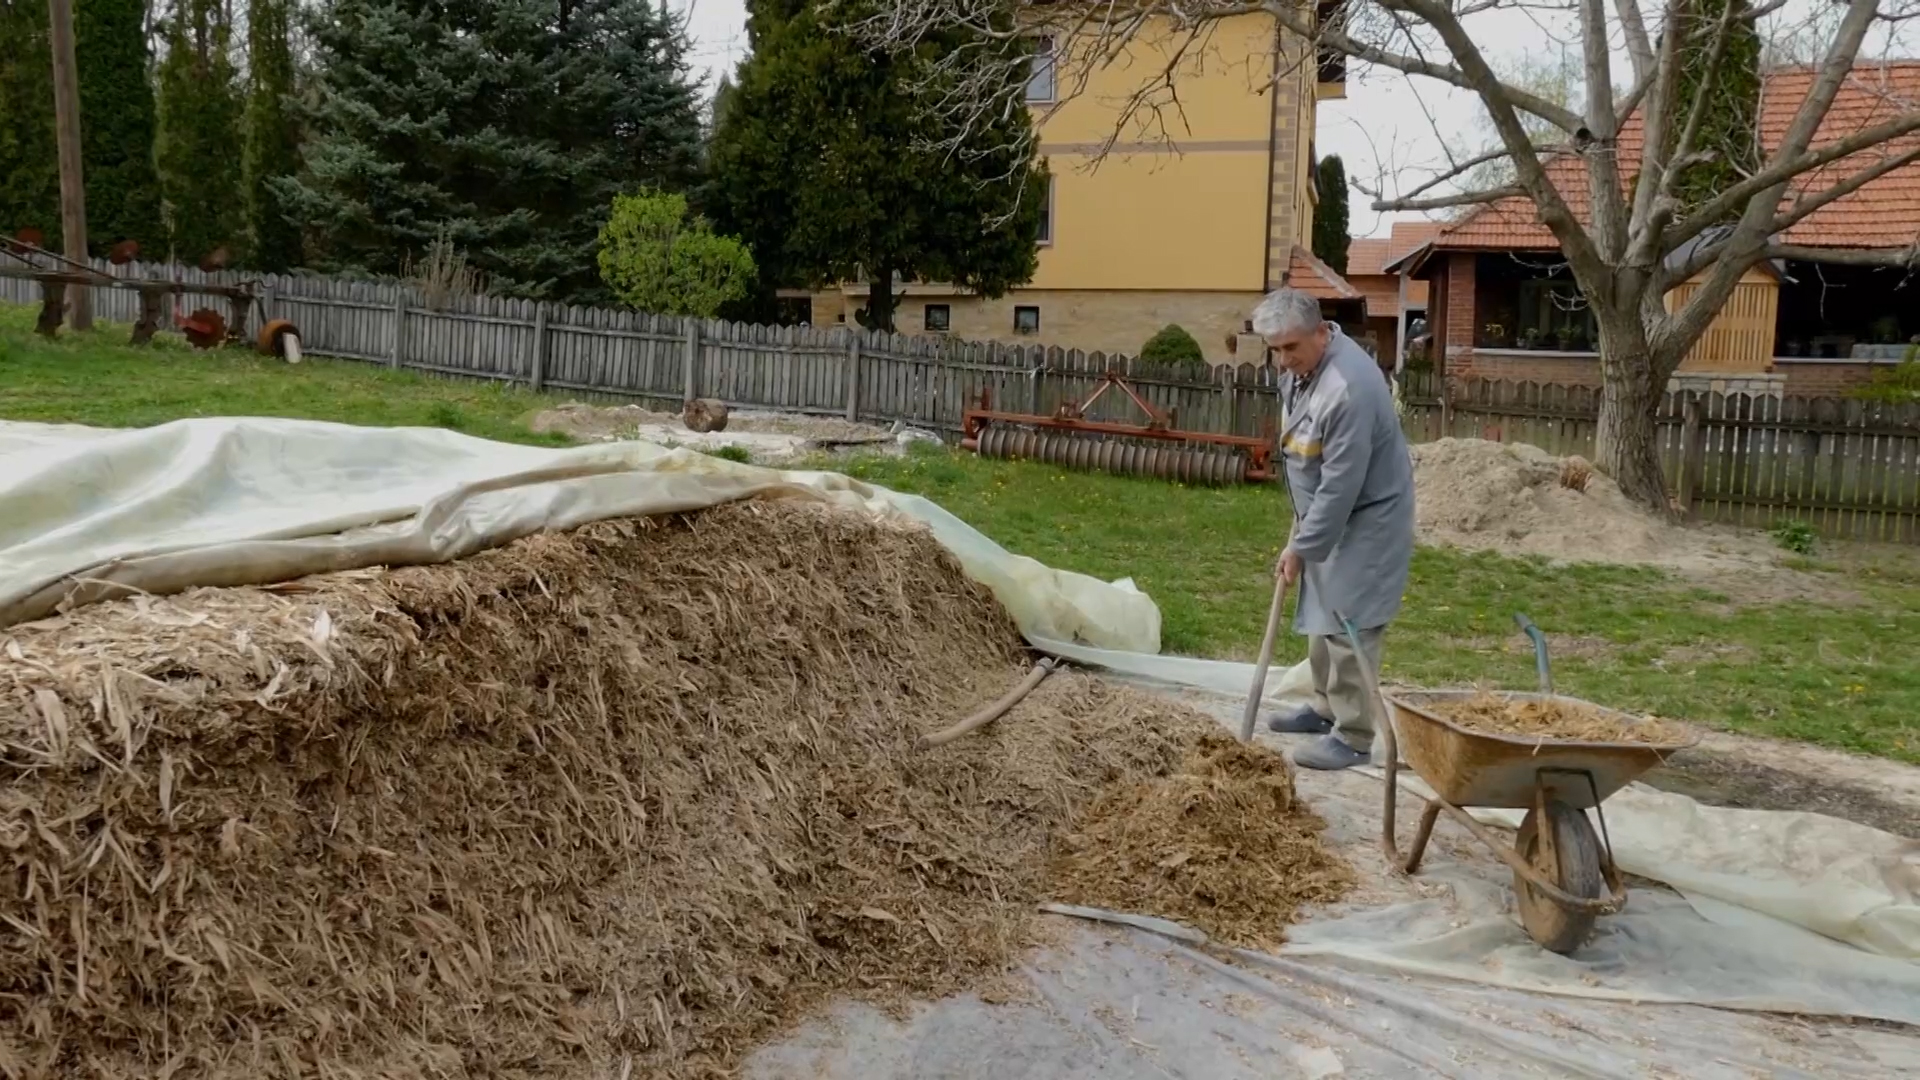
(1626, 445)
(880, 303)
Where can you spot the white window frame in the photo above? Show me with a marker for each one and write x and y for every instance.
(1046, 216)
(1043, 57)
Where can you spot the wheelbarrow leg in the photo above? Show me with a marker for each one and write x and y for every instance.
(1420, 838)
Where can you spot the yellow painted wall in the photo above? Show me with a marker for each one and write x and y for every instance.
(1185, 208)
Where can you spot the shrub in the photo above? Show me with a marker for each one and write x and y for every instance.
(656, 258)
(1794, 535)
(1896, 385)
(1172, 345)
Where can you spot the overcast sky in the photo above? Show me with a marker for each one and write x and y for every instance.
(1390, 127)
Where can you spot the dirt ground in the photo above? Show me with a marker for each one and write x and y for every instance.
(1766, 774)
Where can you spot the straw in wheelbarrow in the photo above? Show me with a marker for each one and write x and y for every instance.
(1557, 719)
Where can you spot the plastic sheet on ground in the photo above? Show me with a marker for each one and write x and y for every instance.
(1116, 1004)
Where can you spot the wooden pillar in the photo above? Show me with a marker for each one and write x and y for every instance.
(691, 362)
(53, 307)
(399, 326)
(66, 113)
(1400, 332)
(1692, 452)
(537, 367)
(853, 378)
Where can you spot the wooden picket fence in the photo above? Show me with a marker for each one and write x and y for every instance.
(1848, 467)
(863, 376)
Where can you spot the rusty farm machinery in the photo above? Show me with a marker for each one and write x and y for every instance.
(1071, 437)
(24, 256)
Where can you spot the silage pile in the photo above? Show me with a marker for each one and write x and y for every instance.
(613, 802)
(1513, 498)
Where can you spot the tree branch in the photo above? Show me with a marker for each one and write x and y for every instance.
(1802, 208)
(1448, 202)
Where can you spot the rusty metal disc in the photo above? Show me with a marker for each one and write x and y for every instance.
(205, 328)
(217, 259)
(31, 237)
(124, 252)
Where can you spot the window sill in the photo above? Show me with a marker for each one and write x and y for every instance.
(1534, 354)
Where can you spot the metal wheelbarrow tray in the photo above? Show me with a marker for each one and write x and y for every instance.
(1563, 875)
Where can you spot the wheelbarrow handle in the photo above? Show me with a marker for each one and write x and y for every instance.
(1539, 650)
(1383, 728)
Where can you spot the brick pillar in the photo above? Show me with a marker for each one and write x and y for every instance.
(1283, 195)
(1460, 313)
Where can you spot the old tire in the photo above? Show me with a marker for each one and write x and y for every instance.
(704, 415)
(1576, 870)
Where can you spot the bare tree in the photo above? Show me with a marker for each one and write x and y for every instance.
(1632, 238)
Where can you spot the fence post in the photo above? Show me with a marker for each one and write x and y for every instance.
(399, 324)
(692, 361)
(1229, 375)
(1692, 452)
(1446, 407)
(269, 297)
(537, 368)
(853, 378)
(1035, 372)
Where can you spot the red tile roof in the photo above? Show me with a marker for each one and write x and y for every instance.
(1317, 279)
(1883, 213)
(1369, 257)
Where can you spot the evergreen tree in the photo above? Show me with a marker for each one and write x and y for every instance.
(117, 124)
(507, 126)
(1330, 223)
(29, 167)
(1728, 122)
(199, 132)
(272, 141)
(824, 163)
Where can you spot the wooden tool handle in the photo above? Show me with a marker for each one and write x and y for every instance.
(1266, 659)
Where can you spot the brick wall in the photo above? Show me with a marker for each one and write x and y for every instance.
(1284, 196)
(1110, 320)
(1460, 305)
(1824, 378)
(1524, 367)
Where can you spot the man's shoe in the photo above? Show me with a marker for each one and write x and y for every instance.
(1302, 721)
(1329, 753)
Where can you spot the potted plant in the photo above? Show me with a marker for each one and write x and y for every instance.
(1495, 335)
(1530, 338)
(1567, 336)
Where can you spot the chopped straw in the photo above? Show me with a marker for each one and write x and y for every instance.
(1554, 720)
(618, 801)
(1219, 842)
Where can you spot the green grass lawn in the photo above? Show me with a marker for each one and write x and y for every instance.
(1845, 675)
(1842, 673)
(95, 378)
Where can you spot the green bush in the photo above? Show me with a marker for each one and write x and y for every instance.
(1172, 345)
(1794, 535)
(658, 258)
(1897, 385)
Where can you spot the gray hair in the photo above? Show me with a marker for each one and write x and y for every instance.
(1286, 311)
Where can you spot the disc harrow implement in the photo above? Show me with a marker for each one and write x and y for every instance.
(1154, 449)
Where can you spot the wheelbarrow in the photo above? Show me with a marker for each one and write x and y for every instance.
(1564, 875)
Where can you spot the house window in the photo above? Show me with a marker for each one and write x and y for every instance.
(939, 318)
(1026, 320)
(1040, 73)
(1553, 315)
(1046, 215)
(1331, 15)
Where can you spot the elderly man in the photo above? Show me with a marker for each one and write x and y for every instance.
(1351, 482)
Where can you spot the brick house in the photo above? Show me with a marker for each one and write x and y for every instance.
(1394, 301)
(1504, 305)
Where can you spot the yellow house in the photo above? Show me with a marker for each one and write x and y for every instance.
(1188, 217)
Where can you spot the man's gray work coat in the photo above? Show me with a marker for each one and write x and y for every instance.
(1351, 481)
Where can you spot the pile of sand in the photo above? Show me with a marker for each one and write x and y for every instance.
(1509, 498)
(615, 802)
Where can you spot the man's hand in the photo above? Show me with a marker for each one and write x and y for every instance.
(1289, 567)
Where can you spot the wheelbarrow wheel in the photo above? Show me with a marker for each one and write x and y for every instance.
(1571, 861)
